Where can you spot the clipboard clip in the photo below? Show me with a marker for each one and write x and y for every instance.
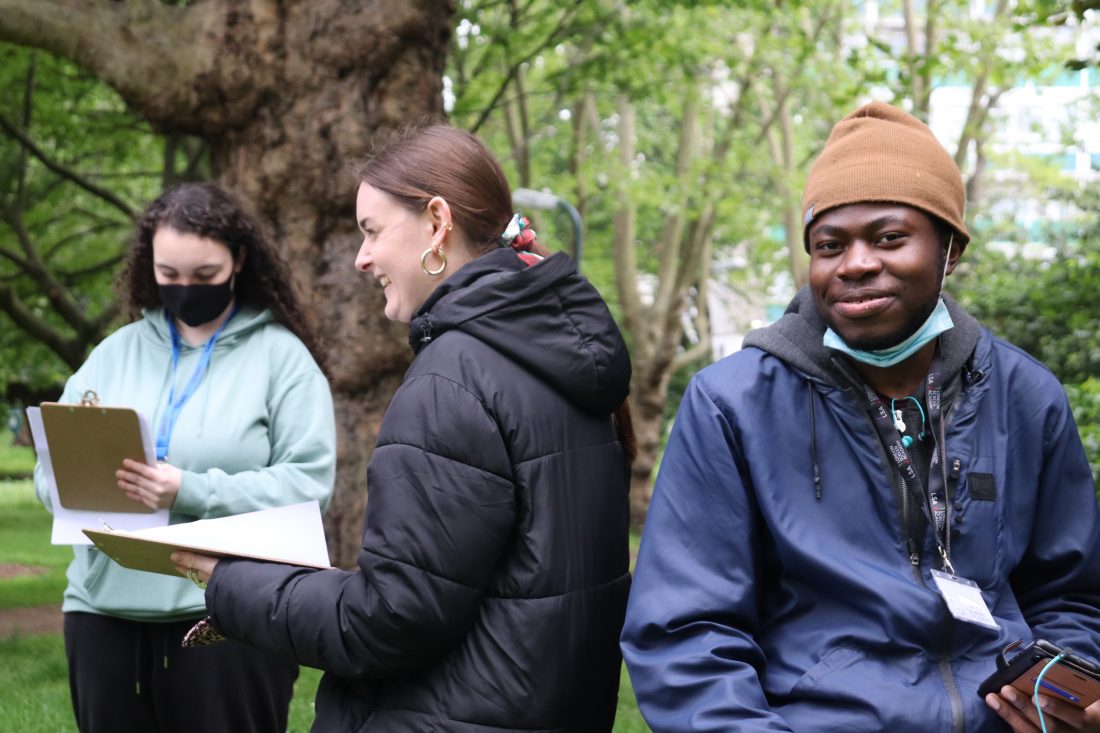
(89, 399)
(106, 527)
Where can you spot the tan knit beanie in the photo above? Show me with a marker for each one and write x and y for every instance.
(881, 154)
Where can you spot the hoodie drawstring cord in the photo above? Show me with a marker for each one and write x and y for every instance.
(813, 441)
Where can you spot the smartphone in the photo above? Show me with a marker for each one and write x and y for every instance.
(1073, 679)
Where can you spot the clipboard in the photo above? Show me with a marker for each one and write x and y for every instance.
(292, 535)
(87, 445)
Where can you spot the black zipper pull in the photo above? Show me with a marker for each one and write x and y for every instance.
(914, 552)
(956, 467)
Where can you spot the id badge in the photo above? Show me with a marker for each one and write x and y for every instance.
(964, 600)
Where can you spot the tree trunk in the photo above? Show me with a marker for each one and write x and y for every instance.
(648, 396)
(284, 95)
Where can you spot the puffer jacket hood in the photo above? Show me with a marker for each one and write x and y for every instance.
(546, 318)
(796, 338)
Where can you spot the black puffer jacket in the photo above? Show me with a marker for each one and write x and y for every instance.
(493, 578)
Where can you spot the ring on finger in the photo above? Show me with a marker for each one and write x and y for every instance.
(195, 578)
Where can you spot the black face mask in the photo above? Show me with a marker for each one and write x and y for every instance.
(196, 304)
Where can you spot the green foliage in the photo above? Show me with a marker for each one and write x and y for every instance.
(1037, 290)
(1047, 308)
(553, 119)
(1085, 400)
(74, 166)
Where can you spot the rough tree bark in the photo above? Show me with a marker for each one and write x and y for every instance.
(284, 94)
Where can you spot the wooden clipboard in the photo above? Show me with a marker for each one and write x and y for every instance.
(87, 445)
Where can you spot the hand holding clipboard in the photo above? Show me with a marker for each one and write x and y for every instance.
(88, 444)
(85, 477)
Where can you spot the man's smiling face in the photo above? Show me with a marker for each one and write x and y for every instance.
(876, 271)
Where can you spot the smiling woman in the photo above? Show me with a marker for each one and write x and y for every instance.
(491, 586)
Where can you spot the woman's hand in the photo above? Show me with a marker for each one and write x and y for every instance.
(198, 568)
(154, 486)
(1019, 712)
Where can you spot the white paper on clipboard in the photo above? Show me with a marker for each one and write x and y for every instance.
(68, 524)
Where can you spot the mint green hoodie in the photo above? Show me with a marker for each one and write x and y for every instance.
(258, 432)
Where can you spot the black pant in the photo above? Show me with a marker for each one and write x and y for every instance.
(133, 677)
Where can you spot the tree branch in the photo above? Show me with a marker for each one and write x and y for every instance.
(39, 329)
(28, 145)
(21, 263)
(78, 236)
(699, 263)
(547, 41)
(916, 80)
(54, 291)
(626, 261)
(154, 54)
(669, 297)
(107, 264)
(28, 98)
(977, 110)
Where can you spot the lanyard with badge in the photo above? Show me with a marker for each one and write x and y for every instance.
(175, 405)
(963, 597)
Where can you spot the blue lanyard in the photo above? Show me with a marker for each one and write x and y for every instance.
(174, 406)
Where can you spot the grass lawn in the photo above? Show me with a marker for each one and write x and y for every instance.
(34, 689)
(25, 540)
(15, 460)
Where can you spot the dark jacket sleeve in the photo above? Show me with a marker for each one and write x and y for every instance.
(1057, 582)
(688, 639)
(441, 511)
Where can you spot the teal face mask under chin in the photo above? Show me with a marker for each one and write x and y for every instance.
(936, 323)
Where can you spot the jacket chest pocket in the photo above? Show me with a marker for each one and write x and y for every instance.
(977, 520)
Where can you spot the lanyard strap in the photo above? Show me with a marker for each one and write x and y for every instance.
(934, 508)
(175, 405)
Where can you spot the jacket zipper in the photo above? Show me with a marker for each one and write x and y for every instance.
(943, 662)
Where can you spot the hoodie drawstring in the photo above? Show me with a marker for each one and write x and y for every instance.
(813, 441)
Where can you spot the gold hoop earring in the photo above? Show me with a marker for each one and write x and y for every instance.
(442, 261)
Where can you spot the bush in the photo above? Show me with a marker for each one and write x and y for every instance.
(1084, 398)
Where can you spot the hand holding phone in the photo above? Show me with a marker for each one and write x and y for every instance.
(1071, 679)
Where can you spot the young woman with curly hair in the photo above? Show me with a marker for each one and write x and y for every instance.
(221, 361)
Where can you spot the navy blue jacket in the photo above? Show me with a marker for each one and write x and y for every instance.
(757, 606)
(491, 586)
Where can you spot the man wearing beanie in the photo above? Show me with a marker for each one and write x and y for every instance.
(857, 512)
